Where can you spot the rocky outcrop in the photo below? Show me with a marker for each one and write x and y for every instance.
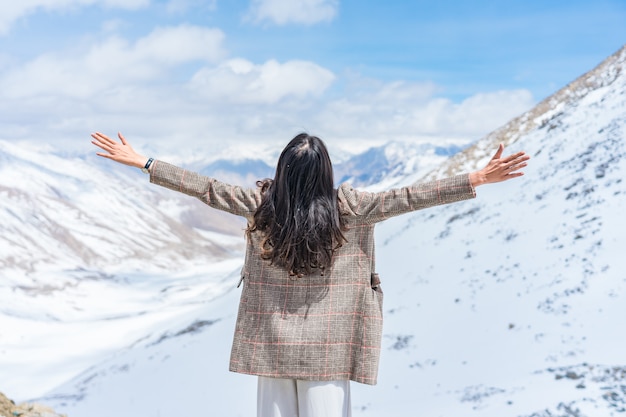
(8, 408)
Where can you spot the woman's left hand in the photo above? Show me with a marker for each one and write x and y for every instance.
(120, 152)
(500, 169)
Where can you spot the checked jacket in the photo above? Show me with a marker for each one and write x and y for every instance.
(317, 327)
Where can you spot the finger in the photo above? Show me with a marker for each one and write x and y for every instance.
(95, 136)
(518, 166)
(103, 138)
(122, 138)
(100, 145)
(104, 155)
(516, 163)
(103, 146)
(98, 135)
(515, 156)
(499, 152)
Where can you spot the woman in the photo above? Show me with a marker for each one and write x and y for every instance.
(310, 315)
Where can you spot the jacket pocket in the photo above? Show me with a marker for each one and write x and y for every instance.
(375, 282)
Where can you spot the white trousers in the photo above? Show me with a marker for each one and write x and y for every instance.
(294, 398)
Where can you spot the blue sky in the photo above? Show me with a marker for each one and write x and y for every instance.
(216, 72)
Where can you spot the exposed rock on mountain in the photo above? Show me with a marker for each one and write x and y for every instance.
(8, 408)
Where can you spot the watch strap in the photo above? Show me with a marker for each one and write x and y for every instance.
(146, 167)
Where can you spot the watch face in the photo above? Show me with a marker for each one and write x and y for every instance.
(147, 166)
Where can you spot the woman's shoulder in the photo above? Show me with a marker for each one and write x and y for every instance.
(350, 198)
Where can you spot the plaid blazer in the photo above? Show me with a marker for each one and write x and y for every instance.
(318, 327)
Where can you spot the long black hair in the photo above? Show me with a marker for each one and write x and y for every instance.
(298, 213)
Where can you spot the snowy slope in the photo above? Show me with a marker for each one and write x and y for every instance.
(68, 212)
(83, 248)
(508, 293)
(508, 305)
(92, 254)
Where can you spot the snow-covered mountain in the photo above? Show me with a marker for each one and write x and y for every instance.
(83, 240)
(68, 212)
(387, 166)
(83, 248)
(513, 303)
(508, 305)
(377, 168)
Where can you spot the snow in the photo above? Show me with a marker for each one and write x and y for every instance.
(88, 317)
(510, 304)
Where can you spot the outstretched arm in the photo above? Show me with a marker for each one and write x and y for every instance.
(500, 169)
(120, 152)
(222, 196)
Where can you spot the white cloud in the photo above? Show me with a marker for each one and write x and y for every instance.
(141, 87)
(149, 88)
(114, 62)
(10, 11)
(484, 111)
(282, 12)
(241, 81)
(403, 110)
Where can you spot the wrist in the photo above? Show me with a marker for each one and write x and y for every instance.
(477, 178)
(138, 161)
(145, 168)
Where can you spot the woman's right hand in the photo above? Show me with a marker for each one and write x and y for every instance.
(120, 152)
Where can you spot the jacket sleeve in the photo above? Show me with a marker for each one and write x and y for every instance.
(376, 207)
(230, 198)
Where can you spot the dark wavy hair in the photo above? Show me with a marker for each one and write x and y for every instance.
(298, 213)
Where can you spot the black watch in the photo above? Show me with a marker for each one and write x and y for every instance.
(147, 166)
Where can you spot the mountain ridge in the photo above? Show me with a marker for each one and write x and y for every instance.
(540, 116)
